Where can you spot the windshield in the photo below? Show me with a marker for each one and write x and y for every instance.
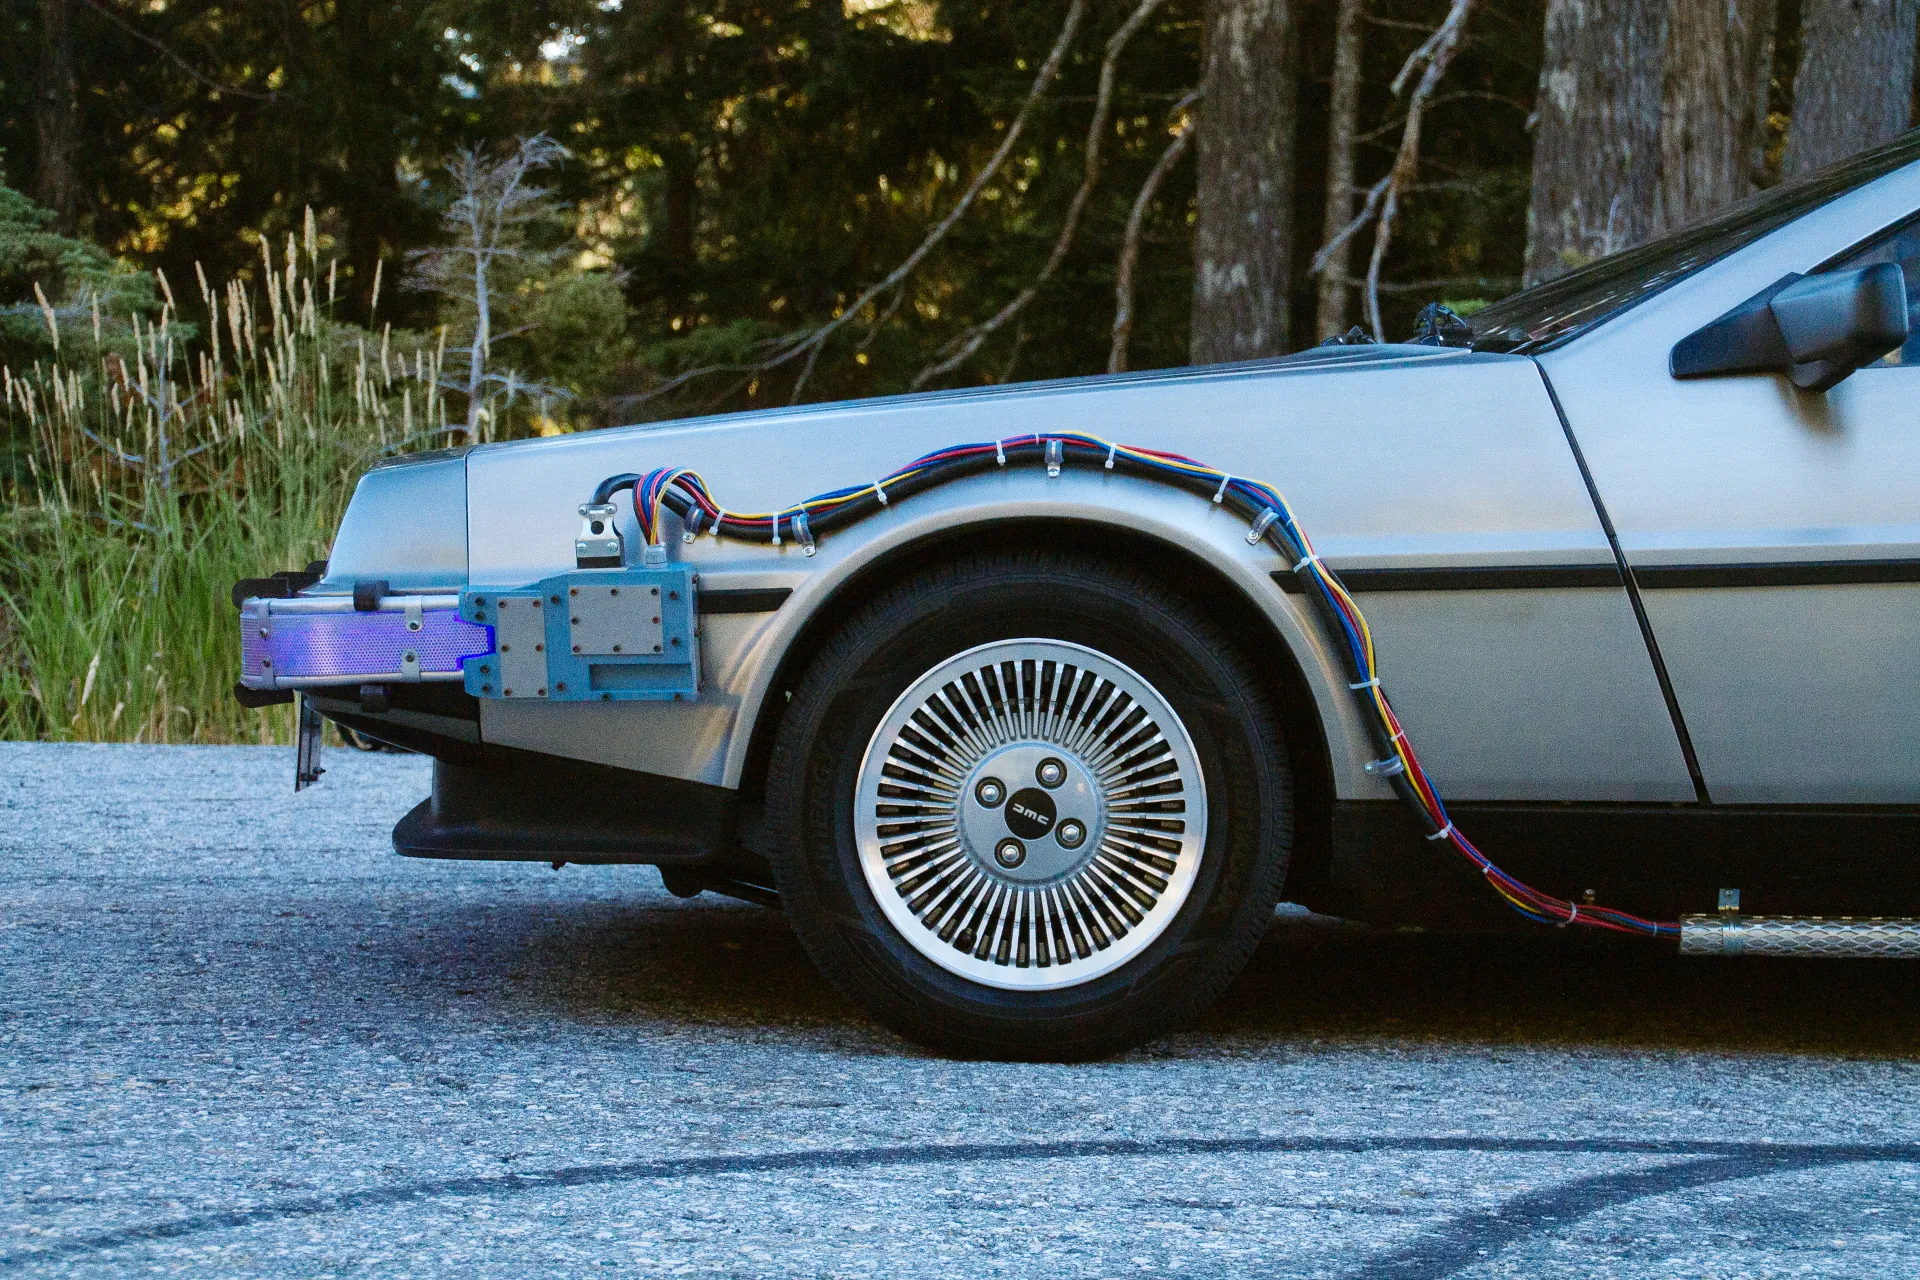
(1549, 314)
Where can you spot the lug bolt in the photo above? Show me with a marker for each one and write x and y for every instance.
(990, 792)
(1009, 853)
(1070, 834)
(1051, 772)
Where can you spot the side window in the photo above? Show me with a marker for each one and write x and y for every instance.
(1901, 245)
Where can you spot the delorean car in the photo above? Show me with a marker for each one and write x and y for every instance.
(1031, 714)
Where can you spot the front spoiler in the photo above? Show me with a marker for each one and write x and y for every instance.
(509, 805)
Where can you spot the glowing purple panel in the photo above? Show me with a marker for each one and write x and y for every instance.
(310, 646)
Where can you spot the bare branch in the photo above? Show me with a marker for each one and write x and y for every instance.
(1346, 233)
(812, 340)
(1496, 286)
(1437, 52)
(963, 347)
(173, 57)
(1136, 219)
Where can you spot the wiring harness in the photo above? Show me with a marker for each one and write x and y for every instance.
(683, 492)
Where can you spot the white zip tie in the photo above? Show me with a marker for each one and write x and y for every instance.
(1261, 526)
(1366, 684)
(879, 491)
(1442, 833)
(999, 454)
(1221, 492)
(1110, 450)
(1574, 907)
(1312, 559)
(776, 528)
(716, 521)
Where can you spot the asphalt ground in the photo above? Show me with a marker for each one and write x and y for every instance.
(239, 1037)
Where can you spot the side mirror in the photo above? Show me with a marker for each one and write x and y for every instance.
(1814, 329)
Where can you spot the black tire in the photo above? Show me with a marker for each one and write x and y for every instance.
(847, 690)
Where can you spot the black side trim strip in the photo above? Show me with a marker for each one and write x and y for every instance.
(1527, 577)
(1659, 577)
(756, 600)
(1791, 573)
(1633, 597)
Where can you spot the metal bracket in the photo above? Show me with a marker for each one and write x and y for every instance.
(306, 746)
(598, 544)
(598, 635)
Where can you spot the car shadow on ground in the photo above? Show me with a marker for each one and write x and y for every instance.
(1565, 988)
(717, 963)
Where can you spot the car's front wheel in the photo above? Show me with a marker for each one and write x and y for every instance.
(1030, 806)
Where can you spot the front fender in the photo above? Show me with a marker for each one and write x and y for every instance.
(742, 654)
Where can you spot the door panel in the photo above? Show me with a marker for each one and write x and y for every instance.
(1750, 513)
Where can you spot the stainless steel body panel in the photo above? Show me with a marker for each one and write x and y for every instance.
(407, 523)
(1792, 694)
(1543, 694)
(1414, 457)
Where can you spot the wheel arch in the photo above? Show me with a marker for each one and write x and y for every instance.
(1225, 601)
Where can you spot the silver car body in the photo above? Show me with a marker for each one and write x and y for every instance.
(1404, 458)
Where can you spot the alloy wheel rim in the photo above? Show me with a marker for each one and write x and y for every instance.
(1030, 814)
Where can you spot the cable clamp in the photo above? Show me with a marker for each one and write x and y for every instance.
(1443, 833)
(1056, 453)
(999, 454)
(880, 491)
(803, 533)
(776, 528)
(691, 525)
(1390, 767)
(1260, 526)
(1221, 492)
(1365, 684)
(1110, 452)
(720, 513)
(1311, 559)
(1574, 909)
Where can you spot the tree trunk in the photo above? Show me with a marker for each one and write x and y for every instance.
(1334, 313)
(1855, 84)
(1596, 136)
(1715, 54)
(1243, 229)
(1763, 93)
(56, 124)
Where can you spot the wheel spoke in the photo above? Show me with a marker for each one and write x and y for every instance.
(1081, 846)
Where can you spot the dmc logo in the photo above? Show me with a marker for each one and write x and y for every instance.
(1033, 814)
(1030, 813)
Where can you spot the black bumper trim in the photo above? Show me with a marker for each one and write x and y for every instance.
(746, 600)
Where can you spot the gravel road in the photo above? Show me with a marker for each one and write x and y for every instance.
(239, 1037)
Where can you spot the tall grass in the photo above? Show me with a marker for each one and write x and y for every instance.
(153, 481)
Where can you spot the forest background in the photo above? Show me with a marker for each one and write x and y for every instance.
(246, 249)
